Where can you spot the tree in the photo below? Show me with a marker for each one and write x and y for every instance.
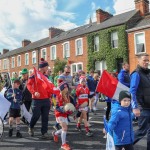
(59, 65)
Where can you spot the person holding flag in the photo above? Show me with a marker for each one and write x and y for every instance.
(120, 124)
(14, 95)
(41, 89)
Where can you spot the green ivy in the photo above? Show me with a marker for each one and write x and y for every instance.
(106, 52)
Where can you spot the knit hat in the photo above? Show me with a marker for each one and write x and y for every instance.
(43, 63)
(62, 85)
(24, 71)
(124, 94)
(82, 78)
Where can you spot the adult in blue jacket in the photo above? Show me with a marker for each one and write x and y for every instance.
(120, 123)
(140, 90)
(124, 76)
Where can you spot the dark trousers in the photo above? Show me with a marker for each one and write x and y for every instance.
(124, 147)
(27, 105)
(144, 127)
(40, 107)
(108, 110)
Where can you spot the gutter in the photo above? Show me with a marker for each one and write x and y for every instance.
(138, 28)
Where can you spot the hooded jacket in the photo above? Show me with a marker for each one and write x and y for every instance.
(120, 126)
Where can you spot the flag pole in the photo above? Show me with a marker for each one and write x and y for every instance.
(35, 77)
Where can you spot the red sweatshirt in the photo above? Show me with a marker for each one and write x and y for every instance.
(36, 87)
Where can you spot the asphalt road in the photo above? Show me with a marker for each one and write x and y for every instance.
(77, 140)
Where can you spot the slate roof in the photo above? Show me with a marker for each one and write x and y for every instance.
(31, 46)
(144, 23)
(85, 29)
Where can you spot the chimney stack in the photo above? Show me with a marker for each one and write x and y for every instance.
(54, 32)
(5, 51)
(25, 42)
(102, 15)
(142, 6)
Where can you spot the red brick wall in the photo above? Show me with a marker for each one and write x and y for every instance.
(73, 58)
(132, 57)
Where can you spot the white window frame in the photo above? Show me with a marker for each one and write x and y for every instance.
(81, 46)
(5, 65)
(33, 57)
(96, 47)
(76, 64)
(18, 62)
(27, 63)
(44, 49)
(65, 50)
(102, 65)
(51, 49)
(113, 40)
(135, 42)
(12, 60)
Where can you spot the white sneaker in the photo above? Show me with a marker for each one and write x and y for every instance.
(105, 108)
(89, 125)
(94, 108)
(5, 122)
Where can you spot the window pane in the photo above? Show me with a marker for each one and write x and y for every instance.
(66, 50)
(114, 36)
(33, 57)
(74, 68)
(140, 48)
(139, 38)
(79, 43)
(34, 54)
(96, 43)
(79, 67)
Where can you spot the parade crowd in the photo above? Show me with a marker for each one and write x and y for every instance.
(80, 92)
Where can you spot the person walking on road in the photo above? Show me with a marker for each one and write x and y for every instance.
(140, 90)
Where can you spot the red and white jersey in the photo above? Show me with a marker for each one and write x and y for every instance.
(82, 94)
(61, 103)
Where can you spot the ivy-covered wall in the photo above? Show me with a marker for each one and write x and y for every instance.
(106, 52)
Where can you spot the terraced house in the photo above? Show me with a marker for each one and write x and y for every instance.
(99, 45)
(139, 35)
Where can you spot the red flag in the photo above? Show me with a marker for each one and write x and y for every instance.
(39, 79)
(110, 86)
(43, 81)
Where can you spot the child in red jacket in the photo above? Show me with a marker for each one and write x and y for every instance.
(82, 93)
(61, 115)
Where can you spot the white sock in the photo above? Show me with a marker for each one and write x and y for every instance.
(63, 137)
(58, 132)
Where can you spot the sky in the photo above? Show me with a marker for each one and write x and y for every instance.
(31, 19)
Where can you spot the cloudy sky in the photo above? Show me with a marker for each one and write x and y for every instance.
(31, 19)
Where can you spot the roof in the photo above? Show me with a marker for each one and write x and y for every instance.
(85, 29)
(144, 23)
(31, 46)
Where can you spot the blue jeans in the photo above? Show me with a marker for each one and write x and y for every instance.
(144, 127)
(40, 107)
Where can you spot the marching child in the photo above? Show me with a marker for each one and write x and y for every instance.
(61, 115)
(14, 95)
(120, 123)
(82, 93)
